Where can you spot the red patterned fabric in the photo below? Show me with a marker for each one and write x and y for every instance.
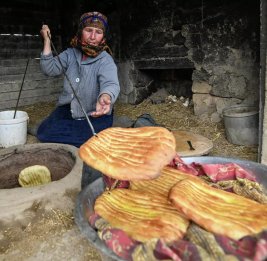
(247, 248)
(163, 252)
(220, 172)
(93, 219)
(261, 248)
(179, 250)
(111, 183)
(216, 172)
(179, 164)
(119, 242)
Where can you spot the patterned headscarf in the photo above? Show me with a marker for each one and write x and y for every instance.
(94, 19)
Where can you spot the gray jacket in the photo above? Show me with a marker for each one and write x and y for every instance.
(90, 78)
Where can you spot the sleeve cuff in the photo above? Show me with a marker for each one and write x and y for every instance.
(46, 56)
(112, 98)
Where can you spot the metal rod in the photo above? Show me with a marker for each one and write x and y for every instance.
(190, 145)
(16, 108)
(74, 92)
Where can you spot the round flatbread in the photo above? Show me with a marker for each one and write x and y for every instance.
(130, 153)
(143, 216)
(219, 212)
(34, 175)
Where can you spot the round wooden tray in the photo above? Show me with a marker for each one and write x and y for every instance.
(201, 144)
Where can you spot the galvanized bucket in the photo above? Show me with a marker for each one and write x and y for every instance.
(241, 124)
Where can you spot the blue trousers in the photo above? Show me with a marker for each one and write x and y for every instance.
(60, 127)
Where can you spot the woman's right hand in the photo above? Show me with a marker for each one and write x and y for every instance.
(45, 32)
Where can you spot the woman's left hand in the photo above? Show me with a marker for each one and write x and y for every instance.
(102, 105)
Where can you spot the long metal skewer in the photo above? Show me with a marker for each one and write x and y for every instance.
(74, 92)
(16, 108)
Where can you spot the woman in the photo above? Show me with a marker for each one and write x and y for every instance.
(93, 75)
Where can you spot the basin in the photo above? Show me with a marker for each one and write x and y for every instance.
(86, 198)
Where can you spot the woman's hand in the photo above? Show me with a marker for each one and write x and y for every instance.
(102, 105)
(45, 33)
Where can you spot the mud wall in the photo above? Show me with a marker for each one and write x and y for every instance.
(219, 40)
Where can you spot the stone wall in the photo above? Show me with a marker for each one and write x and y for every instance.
(218, 40)
(36, 86)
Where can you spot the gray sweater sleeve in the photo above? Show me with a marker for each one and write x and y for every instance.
(50, 64)
(108, 79)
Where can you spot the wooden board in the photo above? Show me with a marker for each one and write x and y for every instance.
(201, 144)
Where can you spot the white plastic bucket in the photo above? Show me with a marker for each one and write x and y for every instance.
(13, 131)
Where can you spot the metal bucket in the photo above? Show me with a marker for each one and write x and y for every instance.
(241, 124)
(86, 199)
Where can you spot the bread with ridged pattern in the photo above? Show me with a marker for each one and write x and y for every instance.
(218, 211)
(141, 215)
(130, 153)
(161, 185)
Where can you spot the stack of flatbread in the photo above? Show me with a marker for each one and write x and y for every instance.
(161, 201)
(147, 208)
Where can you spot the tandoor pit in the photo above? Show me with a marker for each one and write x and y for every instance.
(63, 163)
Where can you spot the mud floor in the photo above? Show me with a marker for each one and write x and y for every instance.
(45, 235)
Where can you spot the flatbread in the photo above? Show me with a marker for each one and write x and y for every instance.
(141, 215)
(218, 211)
(34, 175)
(129, 153)
(168, 178)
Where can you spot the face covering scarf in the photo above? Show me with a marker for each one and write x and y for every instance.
(90, 50)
